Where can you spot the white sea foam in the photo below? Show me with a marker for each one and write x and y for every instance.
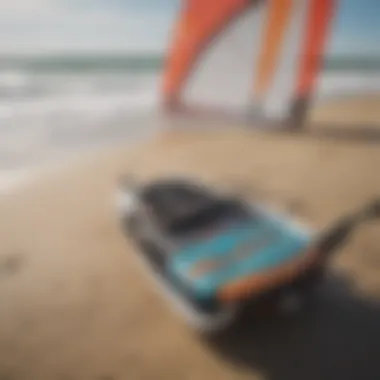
(44, 112)
(12, 179)
(34, 99)
(40, 97)
(348, 83)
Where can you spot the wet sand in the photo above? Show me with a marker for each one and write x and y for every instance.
(76, 306)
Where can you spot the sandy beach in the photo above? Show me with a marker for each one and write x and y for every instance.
(76, 306)
(353, 111)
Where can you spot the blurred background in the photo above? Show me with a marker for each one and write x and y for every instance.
(78, 75)
(81, 73)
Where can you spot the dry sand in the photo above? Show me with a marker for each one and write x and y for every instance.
(350, 111)
(74, 304)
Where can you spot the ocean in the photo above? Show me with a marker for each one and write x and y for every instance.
(65, 103)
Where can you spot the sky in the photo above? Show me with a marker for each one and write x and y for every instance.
(43, 26)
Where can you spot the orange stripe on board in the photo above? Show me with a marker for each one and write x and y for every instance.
(199, 22)
(259, 283)
(318, 20)
(278, 19)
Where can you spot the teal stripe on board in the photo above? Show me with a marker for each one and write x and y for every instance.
(217, 247)
(222, 245)
(258, 246)
(287, 248)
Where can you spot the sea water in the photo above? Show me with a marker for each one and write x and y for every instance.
(63, 103)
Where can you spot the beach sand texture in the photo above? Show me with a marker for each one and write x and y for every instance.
(351, 111)
(74, 304)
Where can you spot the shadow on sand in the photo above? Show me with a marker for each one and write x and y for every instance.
(369, 134)
(337, 338)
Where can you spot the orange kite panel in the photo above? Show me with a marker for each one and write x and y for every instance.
(318, 22)
(277, 22)
(201, 20)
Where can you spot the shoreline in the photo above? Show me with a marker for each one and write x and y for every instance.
(18, 177)
(342, 111)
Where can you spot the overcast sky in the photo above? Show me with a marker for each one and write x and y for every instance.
(143, 25)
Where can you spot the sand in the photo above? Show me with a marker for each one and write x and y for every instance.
(74, 304)
(350, 111)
